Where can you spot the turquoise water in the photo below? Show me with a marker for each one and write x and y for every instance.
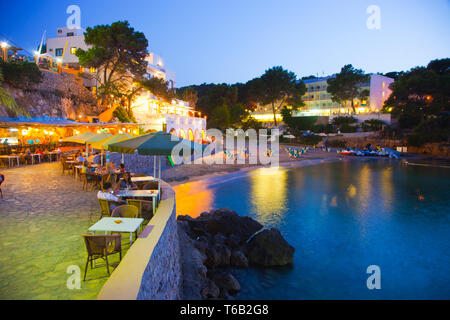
(341, 218)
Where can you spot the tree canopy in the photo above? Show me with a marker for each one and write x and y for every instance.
(346, 86)
(118, 53)
(420, 93)
(278, 87)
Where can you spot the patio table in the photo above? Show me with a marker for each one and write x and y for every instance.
(108, 224)
(140, 194)
(33, 155)
(142, 179)
(9, 159)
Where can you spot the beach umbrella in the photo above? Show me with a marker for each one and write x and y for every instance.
(96, 138)
(80, 138)
(153, 144)
(103, 144)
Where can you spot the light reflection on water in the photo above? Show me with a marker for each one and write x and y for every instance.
(269, 193)
(342, 217)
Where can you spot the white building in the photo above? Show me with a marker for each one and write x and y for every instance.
(175, 117)
(318, 101)
(74, 39)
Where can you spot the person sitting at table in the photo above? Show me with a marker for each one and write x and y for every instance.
(91, 158)
(110, 167)
(84, 167)
(126, 183)
(122, 168)
(80, 158)
(108, 194)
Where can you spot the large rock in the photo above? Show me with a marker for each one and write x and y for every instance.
(210, 290)
(212, 258)
(225, 281)
(238, 259)
(268, 248)
(223, 225)
(193, 268)
(228, 222)
(224, 254)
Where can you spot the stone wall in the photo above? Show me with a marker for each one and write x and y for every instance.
(151, 269)
(58, 95)
(162, 278)
(139, 164)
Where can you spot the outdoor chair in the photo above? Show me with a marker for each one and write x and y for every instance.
(143, 207)
(104, 208)
(100, 247)
(65, 166)
(152, 185)
(125, 211)
(88, 178)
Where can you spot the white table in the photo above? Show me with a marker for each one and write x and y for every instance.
(140, 194)
(142, 179)
(35, 154)
(9, 159)
(107, 224)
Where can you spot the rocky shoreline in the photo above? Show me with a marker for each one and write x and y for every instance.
(219, 240)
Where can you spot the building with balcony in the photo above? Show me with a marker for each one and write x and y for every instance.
(175, 117)
(318, 101)
(62, 49)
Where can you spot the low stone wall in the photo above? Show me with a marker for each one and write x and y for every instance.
(139, 164)
(151, 269)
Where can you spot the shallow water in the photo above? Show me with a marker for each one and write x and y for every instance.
(341, 218)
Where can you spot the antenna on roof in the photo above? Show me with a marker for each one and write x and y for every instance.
(40, 48)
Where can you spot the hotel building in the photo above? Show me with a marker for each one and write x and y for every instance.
(67, 41)
(150, 112)
(318, 101)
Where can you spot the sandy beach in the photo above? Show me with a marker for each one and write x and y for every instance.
(194, 172)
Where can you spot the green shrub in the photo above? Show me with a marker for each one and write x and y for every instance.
(339, 121)
(124, 115)
(337, 144)
(346, 128)
(21, 74)
(310, 140)
(431, 130)
(324, 128)
(372, 125)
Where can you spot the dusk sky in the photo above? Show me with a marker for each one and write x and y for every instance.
(235, 41)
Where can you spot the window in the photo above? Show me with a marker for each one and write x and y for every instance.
(92, 70)
(59, 52)
(69, 34)
(73, 50)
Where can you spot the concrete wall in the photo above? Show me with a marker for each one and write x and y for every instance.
(386, 117)
(379, 90)
(151, 269)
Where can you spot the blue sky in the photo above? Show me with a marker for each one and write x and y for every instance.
(234, 41)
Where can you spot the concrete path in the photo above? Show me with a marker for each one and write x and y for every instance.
(42, 217)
